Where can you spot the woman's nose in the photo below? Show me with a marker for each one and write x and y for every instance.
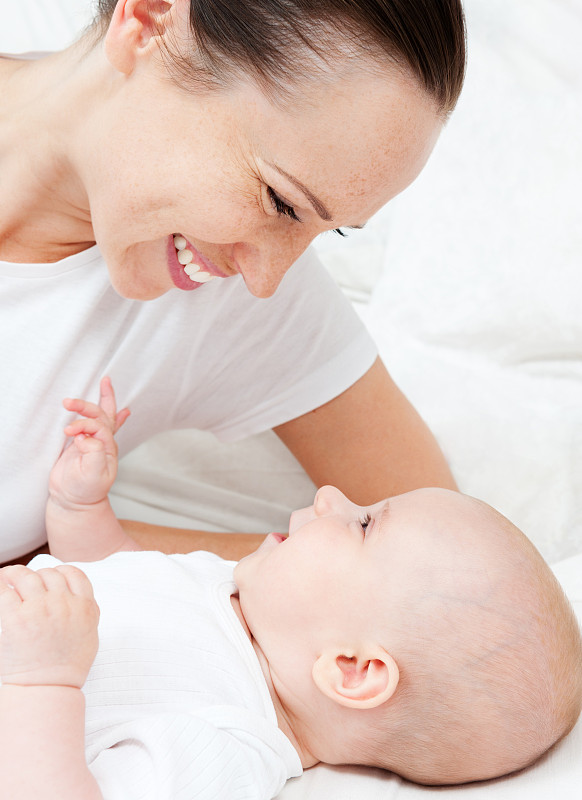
(264, 283)
(264, 264)
(329, 500)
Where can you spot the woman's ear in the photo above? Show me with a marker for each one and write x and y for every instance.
(365, 680)
(132, 30)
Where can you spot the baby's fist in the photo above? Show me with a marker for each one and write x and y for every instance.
(49, 626)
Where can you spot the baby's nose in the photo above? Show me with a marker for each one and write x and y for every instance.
(328, 500)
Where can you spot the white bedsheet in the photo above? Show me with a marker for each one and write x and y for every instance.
(472, 284)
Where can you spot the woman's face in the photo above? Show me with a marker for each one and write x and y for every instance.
(246, 182)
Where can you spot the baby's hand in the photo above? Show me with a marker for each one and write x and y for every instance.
(49, 626)
(86, 469)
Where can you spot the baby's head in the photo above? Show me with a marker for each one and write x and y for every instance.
(424, 634)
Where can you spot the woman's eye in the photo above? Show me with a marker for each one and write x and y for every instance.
(365, 522)
(281, 207)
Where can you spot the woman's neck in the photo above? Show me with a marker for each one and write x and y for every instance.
(44, 213)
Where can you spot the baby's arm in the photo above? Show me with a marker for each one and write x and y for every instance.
(47, 645)
(80, 522)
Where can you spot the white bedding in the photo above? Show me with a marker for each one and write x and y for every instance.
(471, 283)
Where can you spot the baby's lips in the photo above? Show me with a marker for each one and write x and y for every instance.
(272, 540)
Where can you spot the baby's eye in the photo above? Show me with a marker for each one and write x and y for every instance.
(339, 231)
(280, 206)
(365, 522)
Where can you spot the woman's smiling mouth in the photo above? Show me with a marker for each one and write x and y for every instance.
(189, 269)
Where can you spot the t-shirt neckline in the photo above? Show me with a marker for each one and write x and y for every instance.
(18, 269)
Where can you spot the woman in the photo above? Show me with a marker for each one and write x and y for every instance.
(186, 154)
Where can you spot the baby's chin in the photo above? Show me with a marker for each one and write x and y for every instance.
(270, 542)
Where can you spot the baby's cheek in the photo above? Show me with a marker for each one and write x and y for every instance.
(299, 518)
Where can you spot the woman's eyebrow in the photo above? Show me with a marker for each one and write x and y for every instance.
(315, 201)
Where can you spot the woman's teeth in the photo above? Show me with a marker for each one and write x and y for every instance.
(186, 258)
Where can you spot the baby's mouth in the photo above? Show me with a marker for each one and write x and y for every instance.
(186, 258)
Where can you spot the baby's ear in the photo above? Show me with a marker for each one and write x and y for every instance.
(362, 680)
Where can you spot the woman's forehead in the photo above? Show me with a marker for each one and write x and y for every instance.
(360, 145)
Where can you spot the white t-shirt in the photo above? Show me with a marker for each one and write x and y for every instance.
(216, 358)
(177, 705)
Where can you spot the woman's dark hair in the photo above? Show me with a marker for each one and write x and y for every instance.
(269, 39)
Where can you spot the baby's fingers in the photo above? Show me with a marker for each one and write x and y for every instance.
(24, 582)
(10, 600)
(109, 405)
(89, 444)
(107, 398)
(28, 583)
(49, 626)
(106, 411)
(84, 431)
(76, 580)
(91, 438)
(83, 407)
(120, 418)
(89, 427)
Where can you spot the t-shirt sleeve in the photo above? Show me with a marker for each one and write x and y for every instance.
(180, 757)
(273, 359)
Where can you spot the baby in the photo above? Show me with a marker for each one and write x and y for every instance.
(423, 634)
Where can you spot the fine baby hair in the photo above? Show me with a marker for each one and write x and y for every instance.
(262, 38)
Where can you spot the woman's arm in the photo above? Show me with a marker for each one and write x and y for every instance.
(232, 546)
(369, 442)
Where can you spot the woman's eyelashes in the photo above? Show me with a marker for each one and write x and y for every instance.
(283, 208)
(280, 206)
(365, 522)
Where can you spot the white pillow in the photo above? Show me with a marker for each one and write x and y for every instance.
(37, 25)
